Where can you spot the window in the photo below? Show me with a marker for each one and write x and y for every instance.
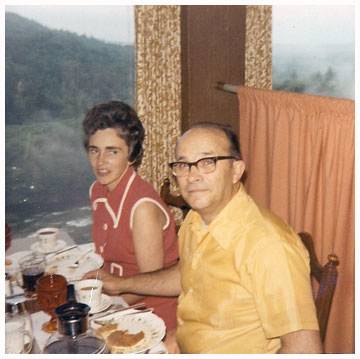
(314, 49)
(60, 61)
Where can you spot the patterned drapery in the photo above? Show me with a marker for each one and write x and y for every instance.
(258, 49)
(158, 86)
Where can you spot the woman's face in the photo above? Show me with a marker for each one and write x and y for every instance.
(108, 155)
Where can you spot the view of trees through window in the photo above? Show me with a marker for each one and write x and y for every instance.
(314, 49)
(61, 60)
(53, 75)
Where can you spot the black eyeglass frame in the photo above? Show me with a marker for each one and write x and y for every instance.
(195, 163)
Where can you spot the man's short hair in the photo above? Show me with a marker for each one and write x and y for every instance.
(121, 117)
(229, 133)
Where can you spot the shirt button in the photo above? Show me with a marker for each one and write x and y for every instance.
(105, 226)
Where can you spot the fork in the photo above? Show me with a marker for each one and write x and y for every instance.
(54, 254)
(115, 308)
(114, 320)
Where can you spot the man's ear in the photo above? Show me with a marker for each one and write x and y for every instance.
(238, 170)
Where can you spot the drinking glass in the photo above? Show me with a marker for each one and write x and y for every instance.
(18, 339)
(32, 268)
(51, 293)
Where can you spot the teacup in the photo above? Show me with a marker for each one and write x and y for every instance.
(15, 336)
(47, 238)
(88, 291)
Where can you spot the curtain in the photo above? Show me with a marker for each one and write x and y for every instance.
(299, 151)
(258, 50)
(158, 86)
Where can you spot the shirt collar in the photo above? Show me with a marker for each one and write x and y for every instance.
(118, 191)
(230, 218)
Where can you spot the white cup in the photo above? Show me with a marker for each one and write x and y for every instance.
(88, 291)
(47, 238)
(15, 334)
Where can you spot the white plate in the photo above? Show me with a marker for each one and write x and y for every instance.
(61, 263)
(153, 327)
(106, 301)
(86, 246)
(15, 257)
(36, 247)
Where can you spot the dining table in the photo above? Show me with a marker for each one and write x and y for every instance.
(38, 317)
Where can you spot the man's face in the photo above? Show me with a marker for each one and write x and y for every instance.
(108, 156)
(208, 193)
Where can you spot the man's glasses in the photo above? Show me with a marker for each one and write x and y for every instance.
(204, 165)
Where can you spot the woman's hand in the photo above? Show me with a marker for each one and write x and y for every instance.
(111, 283)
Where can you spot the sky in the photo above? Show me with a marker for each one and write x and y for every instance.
(110, 23)
(312, 25)
(299, 24)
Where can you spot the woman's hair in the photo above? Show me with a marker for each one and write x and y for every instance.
(121, 117)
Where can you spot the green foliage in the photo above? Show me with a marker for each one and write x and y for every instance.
(290, 83)
(316, 83)
(52, 78)
(57, 74)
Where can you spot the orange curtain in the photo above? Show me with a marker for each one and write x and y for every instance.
(299, 151)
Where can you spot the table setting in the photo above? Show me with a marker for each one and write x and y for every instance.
(54, 310)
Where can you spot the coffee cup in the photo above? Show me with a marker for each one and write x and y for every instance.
(88, 291)
(16, 336)
(47, 238)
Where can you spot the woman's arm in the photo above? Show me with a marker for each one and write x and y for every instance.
(147, 229)
(147, 223)
(148, 243)
(163, 282)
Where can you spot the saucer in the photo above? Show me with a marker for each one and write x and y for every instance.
(106, 301)
(36, 247)
(13, 261)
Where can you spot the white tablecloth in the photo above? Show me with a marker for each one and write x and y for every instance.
(22, 244)
(41, 337)
(39, 318)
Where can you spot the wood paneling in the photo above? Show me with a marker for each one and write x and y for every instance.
(213, 49)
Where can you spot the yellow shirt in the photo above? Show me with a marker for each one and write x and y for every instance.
(245, 281)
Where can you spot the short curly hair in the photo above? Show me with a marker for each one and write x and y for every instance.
(121, 117)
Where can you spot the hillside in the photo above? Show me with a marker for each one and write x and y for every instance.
(53, 74)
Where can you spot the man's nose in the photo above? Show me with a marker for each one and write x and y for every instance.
(194, 173)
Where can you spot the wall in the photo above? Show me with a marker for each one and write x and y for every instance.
(213, 49)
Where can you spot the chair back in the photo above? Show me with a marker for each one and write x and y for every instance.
(173, 200)
(326, 276)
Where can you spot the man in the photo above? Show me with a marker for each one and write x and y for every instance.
(243, 274)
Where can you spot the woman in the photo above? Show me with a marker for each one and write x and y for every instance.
(132, 229)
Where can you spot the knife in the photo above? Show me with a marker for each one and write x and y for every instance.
(61, 251)
(113, 320)
(15, 296)
(104, 314)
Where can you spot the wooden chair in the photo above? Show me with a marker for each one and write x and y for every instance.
(172, 200)
(326, 276)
